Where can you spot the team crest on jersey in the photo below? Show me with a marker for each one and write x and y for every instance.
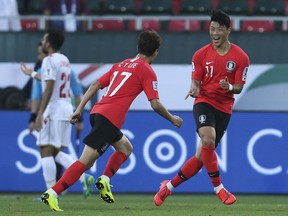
(230, 66)
(202, 119)
(155, 85)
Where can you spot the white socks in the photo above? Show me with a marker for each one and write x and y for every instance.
(218, 188)
(66, 161)
(106, 178)
(170, 186)
(49, 171)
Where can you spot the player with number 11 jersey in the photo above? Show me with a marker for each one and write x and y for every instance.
(210, 67)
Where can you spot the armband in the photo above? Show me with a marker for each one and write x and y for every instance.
(32, 117)
(33, 74)
(230, 87)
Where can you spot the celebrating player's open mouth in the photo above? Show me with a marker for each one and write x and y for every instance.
(216, 40)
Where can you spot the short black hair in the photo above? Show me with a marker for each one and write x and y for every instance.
(148, 42)
(221, 17)
(56, 38)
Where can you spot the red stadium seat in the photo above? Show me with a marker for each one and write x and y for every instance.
(181, 25)
(258, 26)
(108, 25)
(145, 24)
(30, 24)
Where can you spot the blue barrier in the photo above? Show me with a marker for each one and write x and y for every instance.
(252, 155)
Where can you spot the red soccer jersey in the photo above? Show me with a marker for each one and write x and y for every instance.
(125, 80)
(209, 67)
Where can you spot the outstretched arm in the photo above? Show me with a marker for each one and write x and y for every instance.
(93, 88)
(30, 72)
(161, 110)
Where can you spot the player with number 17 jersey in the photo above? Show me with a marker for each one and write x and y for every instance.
(125, 80)
(57, 67)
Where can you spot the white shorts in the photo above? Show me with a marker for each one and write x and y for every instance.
(55, 132)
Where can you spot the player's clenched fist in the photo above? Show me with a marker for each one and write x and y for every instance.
(177, 121)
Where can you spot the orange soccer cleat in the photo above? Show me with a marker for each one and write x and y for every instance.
(162, 194)
(226, 197)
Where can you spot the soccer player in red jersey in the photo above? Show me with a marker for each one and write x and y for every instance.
(219, 71)
(125, 80)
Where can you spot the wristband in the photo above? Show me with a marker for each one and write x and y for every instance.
(230, 88)
(32, 117)
(33, 74)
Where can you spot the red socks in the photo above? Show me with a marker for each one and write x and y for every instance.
(70, 176)
(188, 170)
(209, 159)
(114, 163)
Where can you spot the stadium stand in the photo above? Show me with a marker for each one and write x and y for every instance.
(239, 7)
(30, 6)
(270, 8)
(156, 7)
(184, 25)
(108, 25)
(171, 15)
(196, 7)
(30, 24)
(144, 24)
(119, 7)
(258, 26)
(95, 7)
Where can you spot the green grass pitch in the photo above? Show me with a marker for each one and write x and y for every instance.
(23, 204)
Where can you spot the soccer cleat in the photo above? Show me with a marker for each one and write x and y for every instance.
(104, 188)
(226, 197)
(87, 185)
(49, 199)
(162, 194)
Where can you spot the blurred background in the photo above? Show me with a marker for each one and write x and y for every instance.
(253, 152)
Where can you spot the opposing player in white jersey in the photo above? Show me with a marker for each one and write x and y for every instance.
(53, 116)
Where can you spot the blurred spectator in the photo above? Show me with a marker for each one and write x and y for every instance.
(68, 9)
(9, 16)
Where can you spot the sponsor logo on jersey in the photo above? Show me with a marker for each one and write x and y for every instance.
(210, 62)
(230, 66)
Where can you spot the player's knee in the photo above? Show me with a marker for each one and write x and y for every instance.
(208, 141)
